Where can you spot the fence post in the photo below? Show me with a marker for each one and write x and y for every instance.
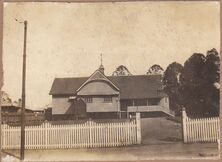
(3, 136)
(46, 134)
(184, 128)
(90, 133)
(138, 128)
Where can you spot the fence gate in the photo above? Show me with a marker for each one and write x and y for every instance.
(83, 135)
(200, 130)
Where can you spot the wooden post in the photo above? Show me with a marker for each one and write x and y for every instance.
(90, 133)
(119, 108)
(22, 151)
(46, 133)
(138, 128)
(1, 84)
(1, 125)
(184, 128)
(2, 135)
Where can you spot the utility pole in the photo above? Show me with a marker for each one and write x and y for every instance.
(1, 84)
(0, 125)
(22, 150)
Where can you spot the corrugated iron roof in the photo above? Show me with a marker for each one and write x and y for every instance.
(135, 86)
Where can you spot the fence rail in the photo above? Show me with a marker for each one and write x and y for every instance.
(200, 130)
(81, 135)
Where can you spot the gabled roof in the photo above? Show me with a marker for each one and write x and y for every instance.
(135, 86)
(66, 86)
(139, 86)
(97, 75)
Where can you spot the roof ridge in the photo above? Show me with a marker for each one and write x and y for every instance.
(110, 76)
(70, 77)
(136, 75)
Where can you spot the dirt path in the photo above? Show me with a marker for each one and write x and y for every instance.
(160, 130)
(143, 152)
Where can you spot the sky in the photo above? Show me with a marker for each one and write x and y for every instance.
(66, 40)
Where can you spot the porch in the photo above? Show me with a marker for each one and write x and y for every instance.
(151, 108)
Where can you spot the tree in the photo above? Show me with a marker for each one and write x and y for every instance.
(155, 70)
(212, 76)
(5, 98)
(197, 83)
(171, 81)
(121, 71)
(193, 83)
(212, 68)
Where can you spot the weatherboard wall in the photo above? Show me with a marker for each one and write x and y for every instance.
(60, 105)
(97, 88)
(98, 105)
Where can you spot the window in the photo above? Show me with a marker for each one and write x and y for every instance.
(153, 101)
(108, 99)
(88, 100)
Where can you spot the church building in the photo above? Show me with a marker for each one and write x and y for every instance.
(102, 96)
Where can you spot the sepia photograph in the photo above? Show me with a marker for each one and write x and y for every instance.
(110, 81)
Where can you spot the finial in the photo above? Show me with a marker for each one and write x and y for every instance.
(101, 68)
(101, 58)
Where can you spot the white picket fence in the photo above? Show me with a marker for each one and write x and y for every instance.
(200, 130)
(82, 135)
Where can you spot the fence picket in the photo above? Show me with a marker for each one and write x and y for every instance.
(200, 130)
(120, 131)
(70, 135)
(211, 130)
(196, 132)
(188, 130)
